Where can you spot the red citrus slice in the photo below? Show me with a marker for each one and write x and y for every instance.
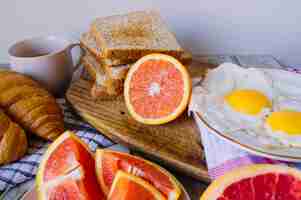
(108, 163)
(157, 89)
(257, 182)
(130, 187)
(67, 171)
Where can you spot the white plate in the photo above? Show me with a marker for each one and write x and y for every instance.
(288, 84)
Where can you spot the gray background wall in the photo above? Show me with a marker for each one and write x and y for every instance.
(203, 26)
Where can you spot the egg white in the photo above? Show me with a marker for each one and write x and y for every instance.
(287, 87)
(229, 77)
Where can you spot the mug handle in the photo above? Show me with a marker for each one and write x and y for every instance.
(82, 53)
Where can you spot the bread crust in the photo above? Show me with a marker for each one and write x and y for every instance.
(88, 43)
(92, 65)
(134, 35)
(103, 84)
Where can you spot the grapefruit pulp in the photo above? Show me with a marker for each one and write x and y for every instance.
(67, 171)
(157, 89)
(130, 187)
(256, 182)
(108, 163)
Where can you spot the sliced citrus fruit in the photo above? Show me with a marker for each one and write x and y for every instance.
(257, 182)
(129, 187)
(109, 162)
(67, 171)
(157, 89)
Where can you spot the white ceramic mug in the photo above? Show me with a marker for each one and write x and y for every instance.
(47, 60)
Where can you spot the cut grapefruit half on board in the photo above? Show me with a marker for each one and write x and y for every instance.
(157, 89)
(257, 182)
(109, 162)
(67, 171)
(129, 187)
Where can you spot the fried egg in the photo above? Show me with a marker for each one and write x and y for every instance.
(238, 98)
(285, 125)
(253, 100)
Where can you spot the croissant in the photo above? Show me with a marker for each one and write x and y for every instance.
(30, 105)
(13, 141)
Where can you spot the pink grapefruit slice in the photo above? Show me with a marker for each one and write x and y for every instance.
(157, 89)
(67, 171)
(130, 187)
(108, 163)
(257, 182)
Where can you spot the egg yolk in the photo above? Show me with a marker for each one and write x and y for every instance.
(285, 121)
(248, 101)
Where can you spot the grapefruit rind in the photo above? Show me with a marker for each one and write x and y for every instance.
(218, 186)
(39, 177)
(175, 194)
(186, 95)
(120, 175)
(99, 169)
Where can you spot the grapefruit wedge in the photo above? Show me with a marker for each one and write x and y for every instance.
(130, 187)
(67, 171)
(257, 182)
(109, 162)
(157, 89)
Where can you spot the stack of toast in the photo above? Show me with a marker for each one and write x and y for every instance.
(114, 43)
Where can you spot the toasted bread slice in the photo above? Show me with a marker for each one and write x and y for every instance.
(117, 72)
(134, 35)
(98, 92)
(88, 43)
(112, 86)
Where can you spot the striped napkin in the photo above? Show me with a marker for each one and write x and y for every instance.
(12, 176)
(223, 156)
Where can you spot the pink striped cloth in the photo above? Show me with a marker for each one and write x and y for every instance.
(221, 156)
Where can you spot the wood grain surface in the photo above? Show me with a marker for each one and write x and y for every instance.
(176, 144)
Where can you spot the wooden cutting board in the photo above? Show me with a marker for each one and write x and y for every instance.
(176, 145)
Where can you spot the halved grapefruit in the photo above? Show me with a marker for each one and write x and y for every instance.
(67, 171)
(157, 89)
(257, 182)
(129, 187)
(109, 162)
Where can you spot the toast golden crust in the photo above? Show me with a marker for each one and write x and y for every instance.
(88, 43)
(90, 47)
(92, 65)
(103, 83)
